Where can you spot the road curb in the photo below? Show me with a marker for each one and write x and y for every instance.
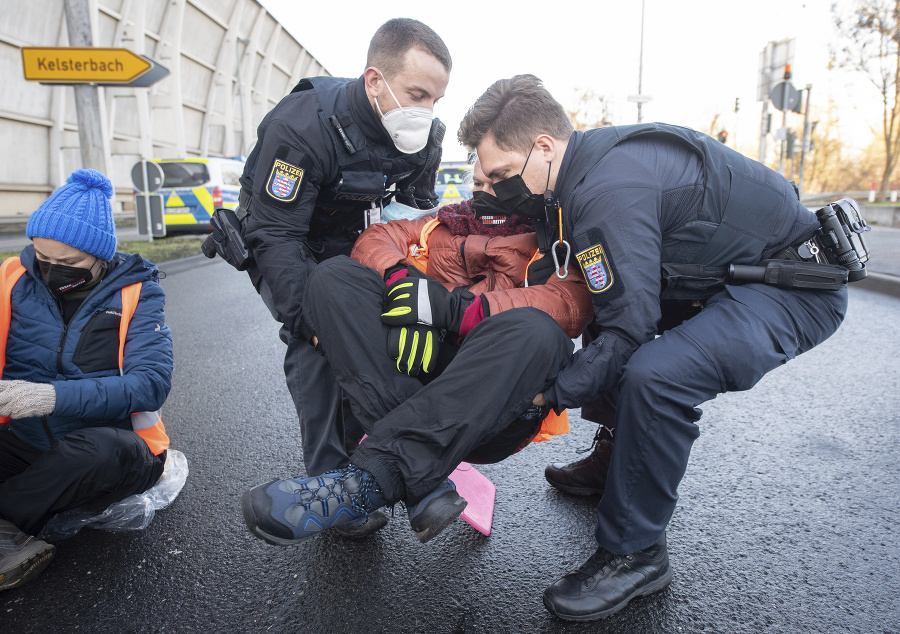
(171, 267)
(880, 283)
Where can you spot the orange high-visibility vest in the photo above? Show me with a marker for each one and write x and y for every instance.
(554, 424)
(147, 425)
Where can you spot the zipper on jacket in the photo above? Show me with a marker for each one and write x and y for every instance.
(93, 314)
(62, 344)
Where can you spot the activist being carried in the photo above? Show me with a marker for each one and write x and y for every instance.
(441, 347)
(662, 221)
(327, 156)
(86, 361)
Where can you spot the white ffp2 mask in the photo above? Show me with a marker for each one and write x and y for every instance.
(407, 127)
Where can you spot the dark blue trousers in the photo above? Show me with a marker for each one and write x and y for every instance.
(743, 333)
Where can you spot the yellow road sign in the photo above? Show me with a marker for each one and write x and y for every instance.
(72, 65)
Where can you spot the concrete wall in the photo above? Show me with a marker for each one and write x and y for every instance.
(881, 215)
(199, 109)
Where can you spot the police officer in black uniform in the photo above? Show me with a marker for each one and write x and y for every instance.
(327, 158)
(662, 221)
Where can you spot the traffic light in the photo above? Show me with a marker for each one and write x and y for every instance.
(789, 149)
(737, 104)
(723, 136)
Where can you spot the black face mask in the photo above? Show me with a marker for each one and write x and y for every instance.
(514, 196)
(483, 204)
(64, 279)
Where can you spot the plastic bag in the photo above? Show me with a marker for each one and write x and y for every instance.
(399, 211)
(134, 513)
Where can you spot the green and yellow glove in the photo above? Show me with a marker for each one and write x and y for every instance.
(412, 300)
(415, 347)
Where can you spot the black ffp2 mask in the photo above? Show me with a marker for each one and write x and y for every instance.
(63, 279)
(514, 196)
(483, 204)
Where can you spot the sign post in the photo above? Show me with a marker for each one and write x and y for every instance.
(774, 56)
(148, 177)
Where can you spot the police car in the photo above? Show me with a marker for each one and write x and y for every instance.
(454, 182)
(193, 188)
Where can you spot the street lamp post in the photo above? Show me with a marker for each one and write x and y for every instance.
(641, 62)
(640, 98)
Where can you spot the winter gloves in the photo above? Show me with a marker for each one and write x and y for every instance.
(413, 300)
(414, 347)
(418, 308)
(24, 399)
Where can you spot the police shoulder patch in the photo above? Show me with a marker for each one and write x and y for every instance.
(284, 181)
(595, 267)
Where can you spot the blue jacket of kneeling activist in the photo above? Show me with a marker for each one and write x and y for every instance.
(81, 359)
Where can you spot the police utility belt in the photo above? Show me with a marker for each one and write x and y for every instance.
(835, 255)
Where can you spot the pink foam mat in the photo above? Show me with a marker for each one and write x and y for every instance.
(479, 492)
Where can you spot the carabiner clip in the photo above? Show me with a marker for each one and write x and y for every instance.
(565, 267)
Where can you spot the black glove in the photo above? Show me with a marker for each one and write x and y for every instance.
(412, 300)
(540, 270)
(414, 347)
(226, 240)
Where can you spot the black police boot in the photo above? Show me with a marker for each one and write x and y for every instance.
(588, 475)
(607, 582)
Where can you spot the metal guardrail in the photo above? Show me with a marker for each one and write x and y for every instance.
(828, 197)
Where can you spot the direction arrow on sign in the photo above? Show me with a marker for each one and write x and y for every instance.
(74, 65)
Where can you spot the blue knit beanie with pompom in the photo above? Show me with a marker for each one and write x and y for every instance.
(78, 214)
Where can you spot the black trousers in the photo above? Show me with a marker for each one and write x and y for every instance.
(92, 467)
(326, 421)
(743, 333)
(419, 432)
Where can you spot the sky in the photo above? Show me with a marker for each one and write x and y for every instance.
(698, 55)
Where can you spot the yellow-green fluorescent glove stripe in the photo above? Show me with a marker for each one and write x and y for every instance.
(396, 312)
(428, 350)
(402, 343)
(412, 351)
(399, 286)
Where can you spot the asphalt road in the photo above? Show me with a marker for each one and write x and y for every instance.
(788, 518)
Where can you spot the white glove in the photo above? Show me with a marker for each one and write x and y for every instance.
(23, 399)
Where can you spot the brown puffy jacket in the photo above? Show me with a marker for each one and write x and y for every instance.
(493, 266)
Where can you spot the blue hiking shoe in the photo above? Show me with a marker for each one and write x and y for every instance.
(283, 512)
(433, 513)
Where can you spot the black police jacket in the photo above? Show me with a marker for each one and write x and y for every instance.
(322, 158)
(633, 215)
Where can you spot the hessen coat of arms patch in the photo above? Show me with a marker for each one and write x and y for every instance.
(595, 267)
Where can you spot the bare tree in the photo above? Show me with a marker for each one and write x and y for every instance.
(714, 125)
(825, 167)
(871, 39)
(590, 110)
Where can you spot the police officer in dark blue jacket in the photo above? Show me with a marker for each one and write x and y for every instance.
(662, 222)
(328, 156)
